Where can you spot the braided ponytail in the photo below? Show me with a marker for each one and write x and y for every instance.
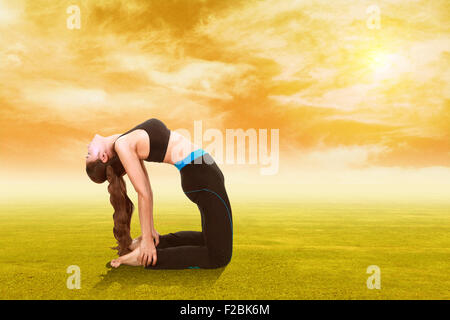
(123, 209)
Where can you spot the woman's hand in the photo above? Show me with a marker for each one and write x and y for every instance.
(155, 235)
(148, 252)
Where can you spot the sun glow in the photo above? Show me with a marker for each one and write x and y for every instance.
(9, 13)
(382, 62)
(387, 65)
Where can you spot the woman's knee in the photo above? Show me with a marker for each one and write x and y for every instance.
(221, 260)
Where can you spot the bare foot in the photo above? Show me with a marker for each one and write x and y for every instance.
(130, 259)
(115, 263)
(135, 243)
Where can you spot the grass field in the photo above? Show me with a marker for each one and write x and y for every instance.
(281, 251)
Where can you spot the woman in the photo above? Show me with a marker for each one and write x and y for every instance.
(109, 158)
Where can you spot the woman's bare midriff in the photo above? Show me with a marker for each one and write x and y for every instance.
(178, 148)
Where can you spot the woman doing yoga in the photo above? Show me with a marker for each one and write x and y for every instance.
(110, 158)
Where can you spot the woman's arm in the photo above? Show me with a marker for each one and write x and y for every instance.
(126, 150)
(155, 233)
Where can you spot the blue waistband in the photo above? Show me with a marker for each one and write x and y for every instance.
(190, 158)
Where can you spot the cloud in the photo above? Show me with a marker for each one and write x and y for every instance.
(309, 68)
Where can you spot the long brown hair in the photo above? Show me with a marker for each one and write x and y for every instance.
(113, 171)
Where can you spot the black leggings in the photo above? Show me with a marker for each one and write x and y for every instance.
(203, 184)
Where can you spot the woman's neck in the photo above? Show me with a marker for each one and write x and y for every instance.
(110, 141)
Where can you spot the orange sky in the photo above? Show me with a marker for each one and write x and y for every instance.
(354, 104)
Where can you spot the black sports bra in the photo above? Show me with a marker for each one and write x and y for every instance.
(159, 136)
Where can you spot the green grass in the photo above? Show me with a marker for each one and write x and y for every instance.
(281, 251)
